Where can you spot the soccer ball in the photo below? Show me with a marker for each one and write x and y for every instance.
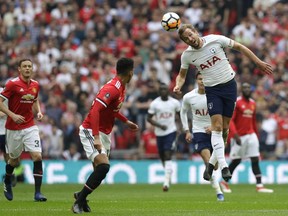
(170, 21)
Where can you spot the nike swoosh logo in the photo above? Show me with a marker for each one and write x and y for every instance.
(194, 60)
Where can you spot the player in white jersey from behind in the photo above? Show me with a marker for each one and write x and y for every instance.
(162, 113)
(208, 55)
(196, 102)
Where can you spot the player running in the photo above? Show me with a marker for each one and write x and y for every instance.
(196, 102)
(165, 108)
(244, 140)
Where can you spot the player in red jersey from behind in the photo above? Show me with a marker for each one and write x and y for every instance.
(95, 131)
(244, 140)
(22, 133)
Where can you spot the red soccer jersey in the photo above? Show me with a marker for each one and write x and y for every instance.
(105, 106)
(21, 97)
(150, 143)
(244, 117)
(282, 128)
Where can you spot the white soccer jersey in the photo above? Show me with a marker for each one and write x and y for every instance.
(210, 60)
(197, 103)
(164, 112)
(3, 118)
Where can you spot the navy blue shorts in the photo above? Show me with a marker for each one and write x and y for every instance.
(167, 142)
(2, 143)
(201, 141)
(221, 98)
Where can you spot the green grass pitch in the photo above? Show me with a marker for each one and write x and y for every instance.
(148, 200)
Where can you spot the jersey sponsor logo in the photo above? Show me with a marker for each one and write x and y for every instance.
(248, 113)
(165, 115)
(209, 63)
(28, 97)
(201, 112)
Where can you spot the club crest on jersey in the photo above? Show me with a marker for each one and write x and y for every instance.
(34, 90)
(210, 105)
(213, 50)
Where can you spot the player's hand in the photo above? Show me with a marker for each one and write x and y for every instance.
(177, 90)
(208, 130)
(163, 127)
(39, 116)
(97, 143)
(18, 119)
(188, 137)
(132, 126)
(237, 139)
(265, 67)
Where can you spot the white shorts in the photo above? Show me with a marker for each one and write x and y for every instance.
(18, 141)
(87, 140)
(249, 147)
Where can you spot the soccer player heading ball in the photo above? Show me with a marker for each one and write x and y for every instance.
(208, 55)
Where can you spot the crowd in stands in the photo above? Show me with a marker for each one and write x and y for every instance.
(74, 45)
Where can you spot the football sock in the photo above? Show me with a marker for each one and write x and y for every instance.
(215, 184)
(218, 147)
(234, 164)
(213, 159)
(168, 172)
(9, 171)
(94, 180)
(38, 174)
(256, 171)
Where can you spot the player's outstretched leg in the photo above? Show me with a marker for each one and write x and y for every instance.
(38, 175)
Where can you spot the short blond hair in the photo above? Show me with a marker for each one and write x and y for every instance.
(183, 27)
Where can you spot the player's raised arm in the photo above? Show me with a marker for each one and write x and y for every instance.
(180, 80)
(263, 66)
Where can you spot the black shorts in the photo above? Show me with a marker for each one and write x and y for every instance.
(221, 98)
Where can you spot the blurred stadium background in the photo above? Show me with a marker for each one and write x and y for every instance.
(74, 45)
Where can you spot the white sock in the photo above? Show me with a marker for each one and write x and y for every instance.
(168, 172)
(219, 148)
(215, 184)
(213, 159)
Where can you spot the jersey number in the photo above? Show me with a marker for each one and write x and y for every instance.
(37, 143)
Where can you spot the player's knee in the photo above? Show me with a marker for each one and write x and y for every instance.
(14, 162)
